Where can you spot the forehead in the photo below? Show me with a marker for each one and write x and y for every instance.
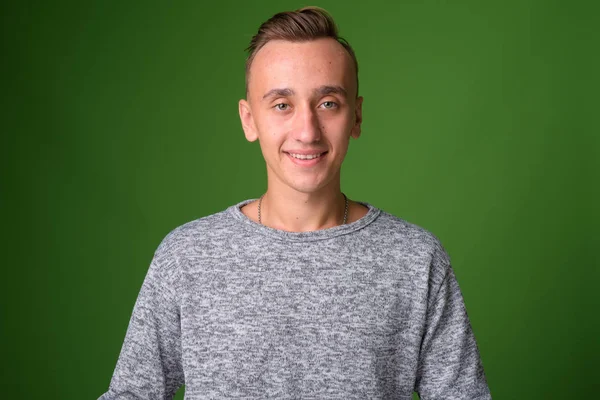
(301, 65)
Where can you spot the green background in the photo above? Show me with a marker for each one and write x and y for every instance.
(119, 123)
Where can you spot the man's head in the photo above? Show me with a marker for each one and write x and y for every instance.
(305, 24)
(302, 104)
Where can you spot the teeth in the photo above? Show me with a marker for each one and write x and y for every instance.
(305, 156)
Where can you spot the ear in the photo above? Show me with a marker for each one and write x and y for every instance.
(355, 133)
(247, 121)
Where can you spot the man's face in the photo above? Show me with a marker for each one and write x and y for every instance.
(302, 108)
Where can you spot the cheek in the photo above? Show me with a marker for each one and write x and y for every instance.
(272, 127)
(339, 127)
(270, 139)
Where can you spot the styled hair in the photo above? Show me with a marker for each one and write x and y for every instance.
(305, 24)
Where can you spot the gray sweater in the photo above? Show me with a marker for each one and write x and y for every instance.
(236, 310)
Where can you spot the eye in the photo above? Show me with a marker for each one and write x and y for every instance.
(329, 104)
(282, 106)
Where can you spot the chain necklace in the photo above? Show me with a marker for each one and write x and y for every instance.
(345, 209)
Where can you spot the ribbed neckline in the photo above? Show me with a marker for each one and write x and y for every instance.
(323, 234)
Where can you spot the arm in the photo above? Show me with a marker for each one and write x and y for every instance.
(149, 366)
(449, 363)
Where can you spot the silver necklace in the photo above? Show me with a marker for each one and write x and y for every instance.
(345, 209)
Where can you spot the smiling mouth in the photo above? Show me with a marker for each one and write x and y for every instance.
(306, 156)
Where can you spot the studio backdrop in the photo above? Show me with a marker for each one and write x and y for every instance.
(119, 123)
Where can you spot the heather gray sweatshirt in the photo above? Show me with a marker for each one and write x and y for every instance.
(236, 310)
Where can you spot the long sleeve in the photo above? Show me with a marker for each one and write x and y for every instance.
(450, 367)
(149, 366)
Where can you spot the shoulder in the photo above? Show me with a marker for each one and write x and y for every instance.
(412, 243)
(196, 234)
(404, 232)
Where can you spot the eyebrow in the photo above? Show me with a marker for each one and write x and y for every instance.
(322, 91)
(279, 93)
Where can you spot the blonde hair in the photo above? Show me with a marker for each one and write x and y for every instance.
(305, 24)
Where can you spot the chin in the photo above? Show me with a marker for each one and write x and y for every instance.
(308, 187)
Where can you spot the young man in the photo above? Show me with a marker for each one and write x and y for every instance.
(301, 293)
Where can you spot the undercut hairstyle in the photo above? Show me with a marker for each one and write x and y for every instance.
(302, 25)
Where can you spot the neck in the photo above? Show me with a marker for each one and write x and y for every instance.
(294, 211)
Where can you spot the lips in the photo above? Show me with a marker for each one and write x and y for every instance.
(300, 156)
(306, 158)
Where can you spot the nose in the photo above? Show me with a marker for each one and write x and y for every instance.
(308, 129)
